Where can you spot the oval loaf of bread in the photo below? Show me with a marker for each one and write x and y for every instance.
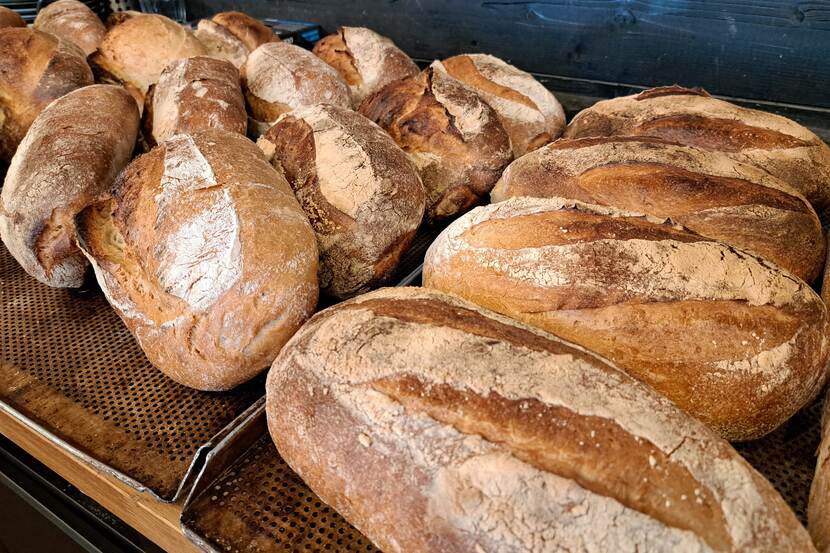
(279, 77)
(366, 60)
(692, 317)
(251, 32)
(194, 94)
(35, 68)
(778, 145)
(71, 154)
(436, 426)
(361, 193)
(453, 136)
(72, 21)
(530, 113)
(206, 256)
(706, 192)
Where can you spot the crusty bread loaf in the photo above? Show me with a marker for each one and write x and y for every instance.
(279, 77)
(707, 192)
(221, 43)
(35, 68)
(138, 46)
(72, 21)
(776, 144)
(73, 152)
(206, 256)
(435, 426)
(194, 94)
(366, 60)
(692, 317)
(453, 136)
(818, 507)
(530, 113)
(251, 32)
(10, 18)
(360, 191)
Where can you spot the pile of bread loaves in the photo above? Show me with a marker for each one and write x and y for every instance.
(636, 294)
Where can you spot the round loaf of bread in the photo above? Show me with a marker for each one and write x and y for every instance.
(776, 144)
(10, 18)
(530, 113)
(279, 77)
(72, 21)
(818, 507)
(453, 136)
(252, 33)
(206, 256)
(194, 94)
(221, 43)
(694, 318)
(366, 60)
(35, 68)
(360, 191)
(138, 46)
(71, 154)
(432, 425)
(706, 192)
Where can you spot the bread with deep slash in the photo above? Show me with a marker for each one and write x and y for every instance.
(435, 426)
(694, 318)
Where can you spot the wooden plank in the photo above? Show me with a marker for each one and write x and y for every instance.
(772, 50)
(157, 521)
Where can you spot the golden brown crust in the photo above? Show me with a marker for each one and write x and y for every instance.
(253, 33)
(35, 68)
(692, 317)
(454, 138)
(221, 43)
(705, 191)
(10, 18)
(72, 21)
(184, 254)
(818, 507)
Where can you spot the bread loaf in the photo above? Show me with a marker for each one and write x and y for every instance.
(452, 135)
(366, 60)
(360, 191)
(251, 32)
(530, 113)
(776, 144)
(818, 507)
(35, 68)
(194, 94)
(72, 21)
(706, 192)
(206, 256)
(72, 153)
(233, 35)
(10, 18)
(435, 426)
(138, 46)
(279, 77)
(694, 318)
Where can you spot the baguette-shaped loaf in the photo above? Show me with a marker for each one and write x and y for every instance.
(530, 113)
(694, 318)
(72, 21)
(453, 136)
(366, 60)
(35, 68)
(706, 192)
(818, 508)
(436, 426)
(779, 145)
(279, 77)
(360, 191)
(10, 18)
(194, 94)
(206, 256)
(71, 154)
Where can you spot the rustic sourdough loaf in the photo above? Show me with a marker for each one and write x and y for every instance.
(453, 136)
(707, 192)
(206, 255)
(360, 191)
(194, 94)
(530, 113)
(436, 426)
(695, 318)
(35, 68)
(233, 35)
(72, 21)
(776, 144)
(72, 152)
(366, 60)
(10, 18)
(279, 77)
(252, 33)
(818, 507)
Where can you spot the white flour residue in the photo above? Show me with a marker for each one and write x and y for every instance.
(185, 168)
(469, 113)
